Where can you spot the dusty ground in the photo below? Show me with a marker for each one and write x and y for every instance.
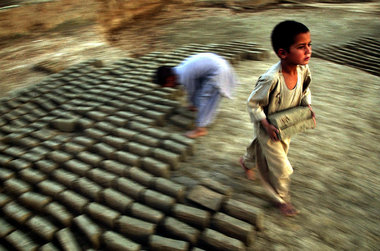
(337, 176)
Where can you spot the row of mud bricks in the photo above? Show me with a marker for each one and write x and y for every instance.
(85, 162)
(363, 54)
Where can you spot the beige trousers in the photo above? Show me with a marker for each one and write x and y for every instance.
(270, 160)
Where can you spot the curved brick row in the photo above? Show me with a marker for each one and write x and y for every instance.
(363, 53)
(85, 162)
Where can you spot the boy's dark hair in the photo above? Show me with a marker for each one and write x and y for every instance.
(284, 33)
(162, 73)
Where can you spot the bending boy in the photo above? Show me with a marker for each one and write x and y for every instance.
(206, 77)
(285, 85)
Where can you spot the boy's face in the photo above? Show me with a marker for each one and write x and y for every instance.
(299, 52)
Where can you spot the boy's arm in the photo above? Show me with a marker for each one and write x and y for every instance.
(258, 99)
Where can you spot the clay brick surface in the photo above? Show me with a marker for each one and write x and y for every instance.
(50, 188)
(16, 212)
(135, 228)
(102, 213)
(206, 197)
(157, 242)
(181, 230)
(67, 240)
(130, 188)
(155, 167)
(158, 200)
(115, 167)
(77, 167)
(115, 241)
(90, 229)
(16, 186)
(34, 200)
(191, 215)
(140, 176)
(42, 227)
(146, 213)
(220, 241)
(73, 200)
(59, 212)
(20, 241)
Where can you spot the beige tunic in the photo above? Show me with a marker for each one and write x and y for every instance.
(271, 95)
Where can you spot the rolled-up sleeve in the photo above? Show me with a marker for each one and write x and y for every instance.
(306, 95)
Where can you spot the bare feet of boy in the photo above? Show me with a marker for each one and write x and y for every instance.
(287, 209)
(249, 173)
(197, 132)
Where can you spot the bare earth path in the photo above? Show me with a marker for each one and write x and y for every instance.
(336, 183)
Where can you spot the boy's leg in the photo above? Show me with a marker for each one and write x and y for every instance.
(277, 179)
(248, 161)
(208, 102)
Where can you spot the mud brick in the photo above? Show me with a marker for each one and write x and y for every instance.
(19, 164)
(125, 133)
(73, 200)
(116, 200)
(4, 199)
(85, 123)
(5, 159)
(32, 176)
(139, 149)
(32, 156)
(182, 121)
(170, 188)
(14, 151)
(156, 133)
(16, 212)
(28, 142)
(146, 213)
(183, 140)
(157, 242)
(146, 140)
(34, 200)
(135, 108)
(114, 141)
(29, 117)
(90, 229)
(107, 109)
(168, 157)
(135, 228)
(246, 212)
(48, 247)
(159, 117)
(127, 158)
(216, 186)
(40, 150)
(42, 227)
(20, 241)
(191, 215)
(73, 148)
(6, 174)
(97, 116)
(5, 228)
(16, 186)
(115, 167)
(158, 200)
(95, 133)
(219, 241)
(67, 240)
(155, 167)
(101, 177)
(117, 121)
(105, 150)
(141, 120)
(46, 166)
(130, 188)
(206, 197)
(105, 126)
(141, 176)
(233, 227)
(181, 230)
(85, 141)
(138, 125)
(65, 124)
(64, 177)
(58, 212)
(90, 158)
(88, 188)
(175, 147)
(50, 188)
(51, 144)
(127, 99)
(115, 241)
(102, 213)
(59, 156)
(164, 108)
(125, 114)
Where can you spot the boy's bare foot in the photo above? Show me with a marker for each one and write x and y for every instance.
(249, 173)
(287, 209)
(197, 132)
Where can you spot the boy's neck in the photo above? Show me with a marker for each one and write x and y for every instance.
(290, 69)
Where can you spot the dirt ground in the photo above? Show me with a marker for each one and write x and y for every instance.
(336, 180)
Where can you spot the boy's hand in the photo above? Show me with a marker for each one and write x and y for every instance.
(313, 115)
(271, 130)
